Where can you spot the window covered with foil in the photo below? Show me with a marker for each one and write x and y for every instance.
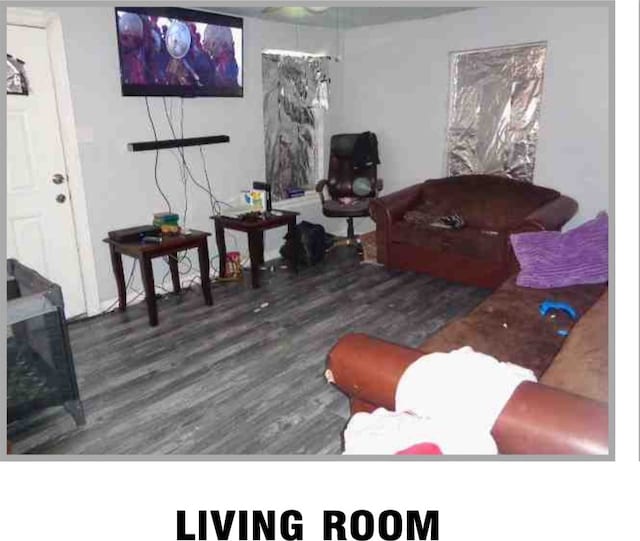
(295, 99)
(494, 110)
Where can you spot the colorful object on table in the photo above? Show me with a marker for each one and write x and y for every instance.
(548, 305)
(166, 217)
(256, 199)
(170, 229)
(167, 222)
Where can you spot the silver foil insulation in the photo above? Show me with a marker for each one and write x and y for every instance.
(296, 91)
(494, 110)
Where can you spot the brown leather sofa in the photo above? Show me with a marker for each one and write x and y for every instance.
(492, 207)
(564, 413)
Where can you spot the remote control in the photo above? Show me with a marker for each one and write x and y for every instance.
(152, 239)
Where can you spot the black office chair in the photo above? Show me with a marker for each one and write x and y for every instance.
(352, 181)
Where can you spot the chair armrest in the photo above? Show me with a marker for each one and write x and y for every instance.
(388, 209)
(320, 186)
(544, 420)
(537, 419)
(549, 217)
(385, 210)
(369, 369)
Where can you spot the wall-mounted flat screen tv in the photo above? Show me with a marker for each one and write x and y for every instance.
(179, 52)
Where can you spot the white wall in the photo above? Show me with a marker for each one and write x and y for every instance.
(393, 79)
(119, 184)
(396, 83)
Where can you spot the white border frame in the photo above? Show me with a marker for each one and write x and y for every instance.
(51, 23)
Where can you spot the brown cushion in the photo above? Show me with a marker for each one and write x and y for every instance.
(419, 218)
(430, 210)
(486, 201)
(468, 241)
(508, 325)
(582, 365)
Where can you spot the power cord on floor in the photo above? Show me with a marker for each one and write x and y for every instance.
(212, 272)
(179, 260)
(126, 288)
(195, 279)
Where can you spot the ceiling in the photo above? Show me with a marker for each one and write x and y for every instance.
(345, 17)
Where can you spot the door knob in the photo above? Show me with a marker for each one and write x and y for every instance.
(57, 178)
(61, 198)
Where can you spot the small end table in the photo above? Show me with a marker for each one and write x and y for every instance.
(144, 252)
(255, 230)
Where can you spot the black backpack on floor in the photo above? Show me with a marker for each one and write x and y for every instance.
(311, 241)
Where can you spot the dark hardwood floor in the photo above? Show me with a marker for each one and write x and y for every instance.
(229, 379)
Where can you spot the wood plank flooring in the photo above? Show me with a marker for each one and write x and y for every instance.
(230, 380)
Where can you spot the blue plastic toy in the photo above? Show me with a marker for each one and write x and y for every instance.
(547, 305)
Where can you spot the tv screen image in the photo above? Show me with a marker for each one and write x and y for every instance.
(179, 52)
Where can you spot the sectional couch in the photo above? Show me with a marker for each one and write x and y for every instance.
(566, 412)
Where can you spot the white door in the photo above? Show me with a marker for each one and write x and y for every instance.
(40, 229)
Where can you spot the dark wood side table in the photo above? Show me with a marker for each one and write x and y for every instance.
(144, 252)
(255, 230)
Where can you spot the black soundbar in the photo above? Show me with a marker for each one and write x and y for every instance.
(174, 143)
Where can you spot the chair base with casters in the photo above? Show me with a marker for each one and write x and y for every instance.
(358, 209)
(352, 182)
